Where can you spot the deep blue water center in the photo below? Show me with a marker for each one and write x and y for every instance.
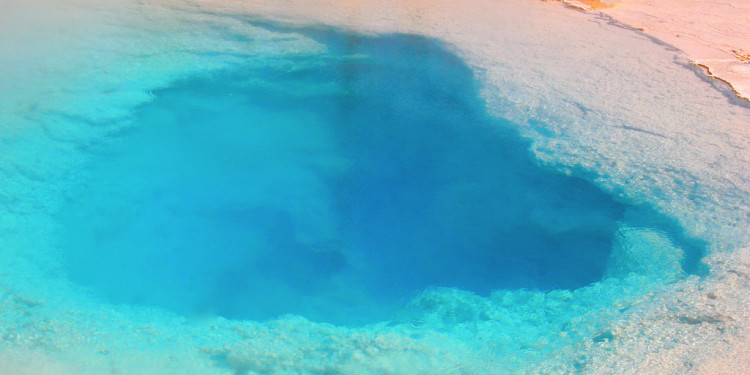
(335, 187)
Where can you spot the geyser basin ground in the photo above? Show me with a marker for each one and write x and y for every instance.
(336, 187)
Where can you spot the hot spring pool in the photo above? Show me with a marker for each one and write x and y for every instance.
(336, 187)
(217, 187)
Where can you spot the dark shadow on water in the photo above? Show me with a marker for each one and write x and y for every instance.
(334, 187)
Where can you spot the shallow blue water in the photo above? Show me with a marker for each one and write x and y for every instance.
(334, 187)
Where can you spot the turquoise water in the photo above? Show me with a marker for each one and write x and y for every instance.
(334, 187)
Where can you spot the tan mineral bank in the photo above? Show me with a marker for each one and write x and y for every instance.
(715, 35)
